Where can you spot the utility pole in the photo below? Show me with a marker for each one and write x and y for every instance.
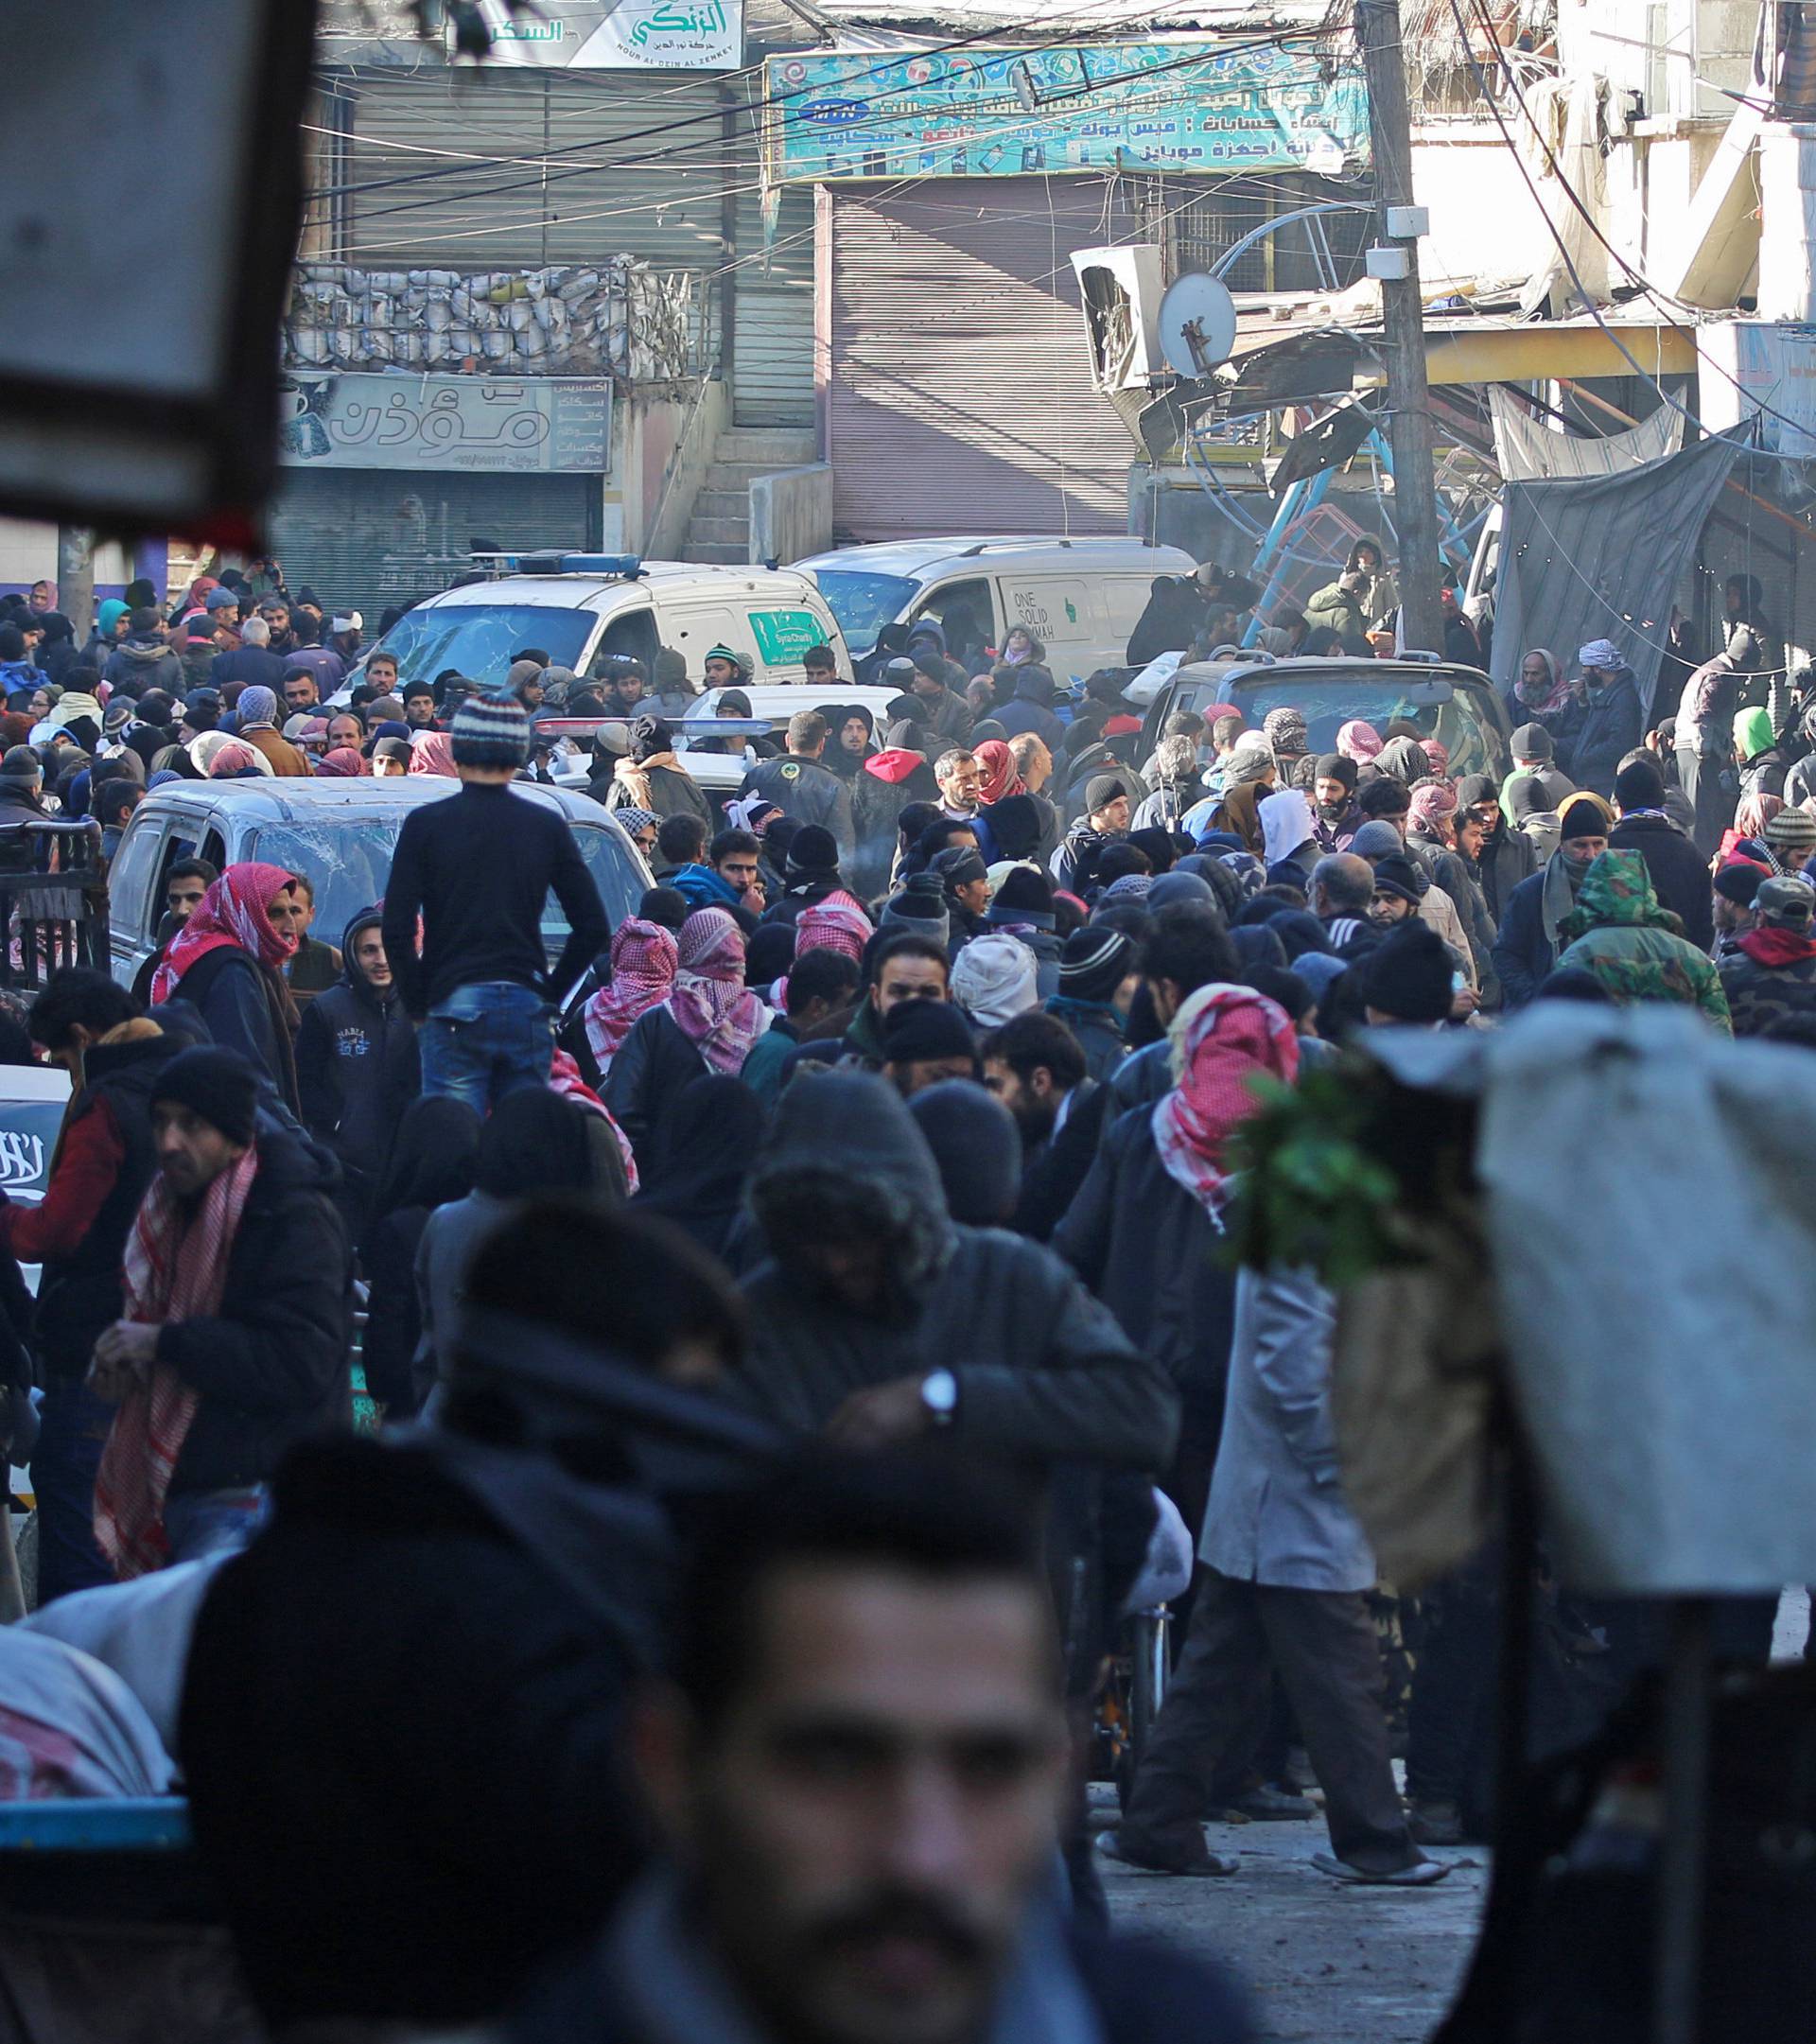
(75, 577)
(1395, 261)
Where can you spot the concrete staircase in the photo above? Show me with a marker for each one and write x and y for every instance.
(719, 529)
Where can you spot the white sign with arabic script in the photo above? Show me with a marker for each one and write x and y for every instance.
(620, 35)
(478, 424)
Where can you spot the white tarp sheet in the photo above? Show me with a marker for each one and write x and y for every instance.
(1653, 1214)
(1526, 450)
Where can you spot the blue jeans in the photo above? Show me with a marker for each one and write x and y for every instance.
(198, 1523)
(72, 1432)
(486, 1041)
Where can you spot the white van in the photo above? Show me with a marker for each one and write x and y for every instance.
(1080, 597)
(584, 609)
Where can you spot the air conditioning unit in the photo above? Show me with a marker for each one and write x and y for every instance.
(1121, 289)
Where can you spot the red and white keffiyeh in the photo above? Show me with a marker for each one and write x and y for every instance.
(564, 1079)
(236, 910)
(1223, 1036)
(174, 1269)
(643, 962)
(710, 1004)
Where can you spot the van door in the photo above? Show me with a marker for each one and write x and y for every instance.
(1121, 600)
(781, 628)
(1058, 609)
(629, 635)
(132, 920)
(966, 613)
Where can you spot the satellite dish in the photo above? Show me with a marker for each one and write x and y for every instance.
(1198, 324)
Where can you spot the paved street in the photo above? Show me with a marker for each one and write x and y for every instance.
(1341, 1965)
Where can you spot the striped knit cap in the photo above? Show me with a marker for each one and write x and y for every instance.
(1094, 963)
(490, 730)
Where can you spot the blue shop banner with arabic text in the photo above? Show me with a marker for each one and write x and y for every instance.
(512, 425)
(1084, 107)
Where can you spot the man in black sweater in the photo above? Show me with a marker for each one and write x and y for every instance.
(477, 868)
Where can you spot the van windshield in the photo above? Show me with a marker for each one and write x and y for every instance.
(1456, 715)
(863, 604)
(477, 639)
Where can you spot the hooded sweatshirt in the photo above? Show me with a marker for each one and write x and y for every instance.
(1043, 1372)
(357, 1067)
(1635, 949)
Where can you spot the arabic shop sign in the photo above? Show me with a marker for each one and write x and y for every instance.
(620, 35)
(508, 425)
(1087, 107)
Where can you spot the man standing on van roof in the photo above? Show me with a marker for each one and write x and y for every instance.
(800, 786)
(477, 868)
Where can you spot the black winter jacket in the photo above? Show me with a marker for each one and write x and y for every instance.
(1679, 873)
(272, 1366)
(357, 1067)
(1523, 954)
(1044, 1373)
(243, 1004)
(1147, 1248)
(813, 792)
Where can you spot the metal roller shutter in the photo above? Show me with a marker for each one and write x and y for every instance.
(961, 398)
(771, 356)
(372, 537)
(610, 186)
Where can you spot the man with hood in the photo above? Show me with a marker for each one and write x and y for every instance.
(1747, 634)
(1531, 936)
(927, 636)
(1769, 974)
(887, 783)
(142, 659)
(1288, 837)
(1030, 708)
(1604, 724)
(1679, 873)
(879, 1321)
(498, 1577)
(1762, 765)
(1638, 951)
(356, 1068)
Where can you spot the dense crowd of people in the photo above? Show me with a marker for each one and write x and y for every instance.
(423, 1320)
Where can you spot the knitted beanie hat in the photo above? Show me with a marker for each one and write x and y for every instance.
(490, 730)
(1095, 962)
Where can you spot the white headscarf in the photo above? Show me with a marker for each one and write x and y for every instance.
(1285, 818)
(994, 979)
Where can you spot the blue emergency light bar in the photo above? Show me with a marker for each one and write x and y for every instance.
(628, 565)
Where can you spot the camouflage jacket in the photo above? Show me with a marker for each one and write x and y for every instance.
(1632, 946)
(1769, 974)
